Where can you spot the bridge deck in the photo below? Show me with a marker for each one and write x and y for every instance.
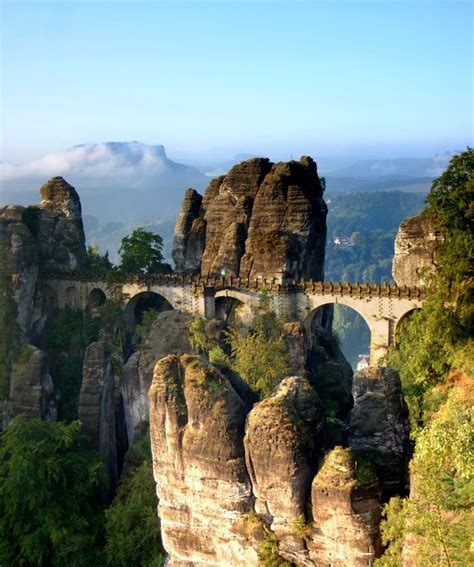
(272, 285)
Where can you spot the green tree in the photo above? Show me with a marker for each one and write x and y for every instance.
(9, 330)
(66, 337)
(259, 358)
(50, 496)
(95, 262)
(435, 361)
(141, 253)
(198, 337)
(132, 525)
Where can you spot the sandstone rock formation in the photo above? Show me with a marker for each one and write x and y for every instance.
(197, 427)
(169, 334)
(261, 219)
(31, 386)
(97, 406)
(346, 512)
(219, 506)
(49, 236)
(379, 425)
(415, 251)
(188, 243)
(281, 450)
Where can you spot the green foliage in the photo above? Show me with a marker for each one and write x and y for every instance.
(9, 330)
(50, 496)
(260, 359)
(268, 554)
(198, 338)
(66, 337)
(132, 526)
(95, 262)
(141, 253)
(372, 220)
(301, 528)
(218, 357)
(435, 361)
(438, 516)
(143, 328)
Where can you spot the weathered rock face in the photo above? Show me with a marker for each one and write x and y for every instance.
(169, 334)
(346, 512)
(197, 427)
(281, 450)
(261, 219)
(189, 235)
(330, 373)
(379, 425)
(57, 226)
(31, 386)
(97, 406)
(415, 251)
(24, 261)
(48, 236)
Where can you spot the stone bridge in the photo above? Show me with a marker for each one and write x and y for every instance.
(382, 306)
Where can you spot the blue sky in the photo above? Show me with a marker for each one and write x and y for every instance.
(342, 77)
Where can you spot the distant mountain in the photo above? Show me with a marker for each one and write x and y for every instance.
(398, 167)
(114, 179)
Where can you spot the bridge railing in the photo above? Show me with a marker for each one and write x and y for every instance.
(272, 285)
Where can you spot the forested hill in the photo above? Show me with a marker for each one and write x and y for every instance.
(365, 225)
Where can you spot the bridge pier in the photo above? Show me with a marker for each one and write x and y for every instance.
(379, 340)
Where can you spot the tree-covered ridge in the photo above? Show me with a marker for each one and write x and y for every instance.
(370, 221)
(436, 361)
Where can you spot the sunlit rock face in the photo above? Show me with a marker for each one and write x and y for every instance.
(197, 425)
(346, 508)
(281, 447)
(379, 425)
(261, 219)
(230, 471)
(415, 251)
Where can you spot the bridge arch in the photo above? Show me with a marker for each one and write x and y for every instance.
(403, 319)
(234, 306)
(352, 328)
(141, 302)
(97, 298)
(72, 297)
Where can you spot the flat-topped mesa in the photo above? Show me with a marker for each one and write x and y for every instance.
(260, 220)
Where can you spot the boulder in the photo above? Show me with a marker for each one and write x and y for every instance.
(197, 425)
(346, 509)
(379, 425)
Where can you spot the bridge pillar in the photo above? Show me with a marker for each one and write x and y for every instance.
(379, 339)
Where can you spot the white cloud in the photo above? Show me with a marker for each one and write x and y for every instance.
(130, 162)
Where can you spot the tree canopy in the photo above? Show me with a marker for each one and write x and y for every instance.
(51, 511)
(435, 361)
(141, 253)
